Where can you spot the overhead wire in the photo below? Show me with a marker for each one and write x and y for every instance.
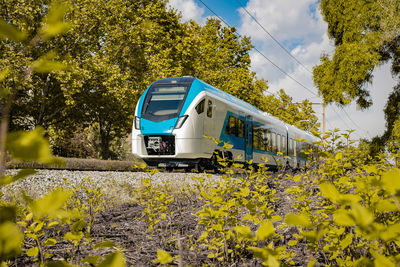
(275, 65)
(292, 56)
(272, 37)
(262, 54)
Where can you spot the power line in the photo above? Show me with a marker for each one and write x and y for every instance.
(341, 118)
(262, 54)
(273, 38)
(345, 112)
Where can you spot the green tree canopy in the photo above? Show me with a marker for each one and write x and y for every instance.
(366, 34)
(114, 50)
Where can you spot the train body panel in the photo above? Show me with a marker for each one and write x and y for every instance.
(175, 118)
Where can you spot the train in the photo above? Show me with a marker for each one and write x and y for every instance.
(183, 122)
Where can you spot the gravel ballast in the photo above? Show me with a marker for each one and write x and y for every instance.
(45, 180)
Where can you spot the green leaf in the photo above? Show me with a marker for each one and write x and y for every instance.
(292, 242)
(20, 175)
(342, 217)
(362, 215)
(381, 260)
(296, 178)
(47, 63)
(10, 240)
(54, 21)
(163, 257)
(58, 264)
(50, 242)
(73, 237)
(298, 220)
(50, 204)
(8, 31)
(92, 260)
(339, 156)
(115, 259)
(330, 192)
(391, 181)
(7, 214)
(32, 252)
(244, 232)
(346, 241)
(265, 231)
(78, 225)
(3, 75)
(51, 224)
(29, 146)
(104, 244)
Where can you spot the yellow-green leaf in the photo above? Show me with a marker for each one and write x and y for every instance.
(115, 259)
(243, 232)
(47, 63)
(29, 146)
(163, 257)
(8, 31)
(298, 220)
(265, 231)
(50, 204)
(32, 252)
(10, 240)
(54, 21)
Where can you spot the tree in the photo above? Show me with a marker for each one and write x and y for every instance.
(300, 115)
(366, 34)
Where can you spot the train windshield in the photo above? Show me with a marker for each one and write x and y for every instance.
(164, 101)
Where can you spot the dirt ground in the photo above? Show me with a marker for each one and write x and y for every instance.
(124, 226)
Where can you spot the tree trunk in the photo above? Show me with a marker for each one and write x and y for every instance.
(105, 139)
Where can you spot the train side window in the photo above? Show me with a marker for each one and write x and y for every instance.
(256, 137)
(284, 139)
(273, 135)
(240, 128)
(291, 148)
(229, 129)
(278, 143)
(200, 106)
(235, 127)
(209, 109)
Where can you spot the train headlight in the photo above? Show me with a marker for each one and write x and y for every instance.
(181, 121)
(137, 123)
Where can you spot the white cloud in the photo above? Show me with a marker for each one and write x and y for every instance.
(189, 10)
(298, 25)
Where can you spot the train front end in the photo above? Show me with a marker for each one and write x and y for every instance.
(163, 133)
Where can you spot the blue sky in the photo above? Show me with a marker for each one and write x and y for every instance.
(299, 27)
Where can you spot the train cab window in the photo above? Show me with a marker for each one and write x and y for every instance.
(210, 109)
(164, 101)
(200, 106)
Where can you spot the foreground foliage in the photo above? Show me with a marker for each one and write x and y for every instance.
(344, 210)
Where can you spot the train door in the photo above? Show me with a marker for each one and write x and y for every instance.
(208, 118)
(248, 138)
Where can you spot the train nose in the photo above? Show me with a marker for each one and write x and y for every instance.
(166, 127)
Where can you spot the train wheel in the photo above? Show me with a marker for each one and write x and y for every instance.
(169, 169)
(200, 167)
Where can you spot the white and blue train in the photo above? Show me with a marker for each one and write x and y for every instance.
(175, 117)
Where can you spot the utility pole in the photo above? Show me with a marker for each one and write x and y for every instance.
(323, 118)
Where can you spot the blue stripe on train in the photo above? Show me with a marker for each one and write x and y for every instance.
(166, 127)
